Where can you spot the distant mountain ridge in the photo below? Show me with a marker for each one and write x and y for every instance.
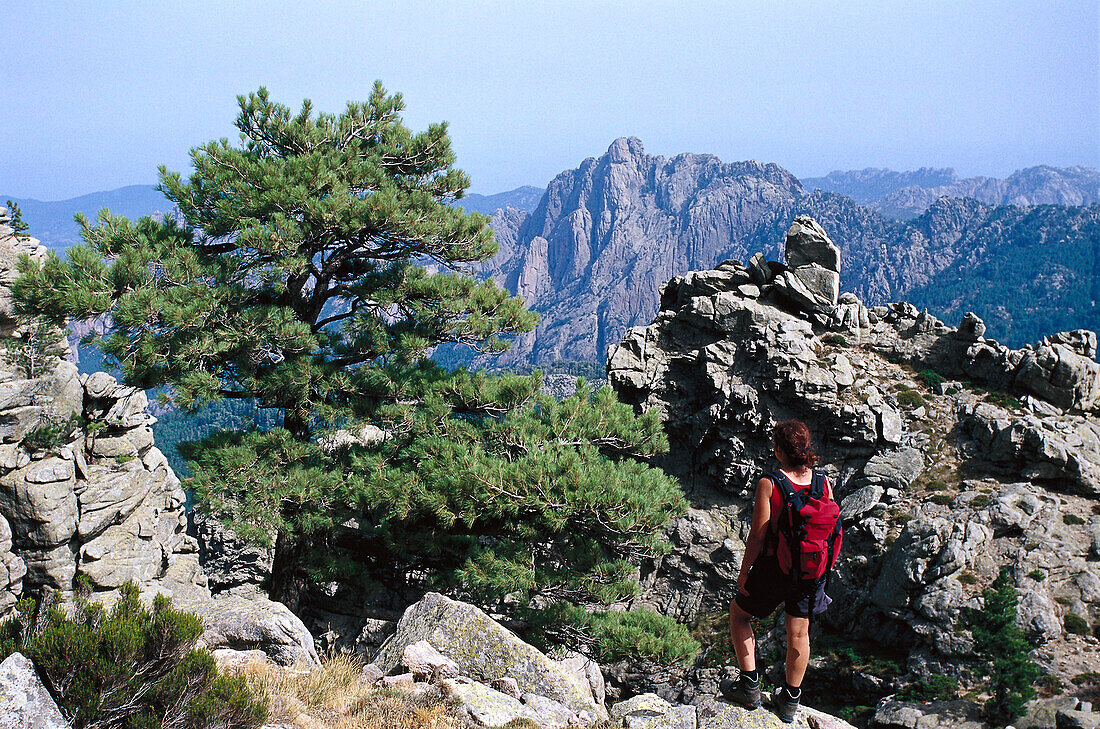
(52, 221)
(905, 195)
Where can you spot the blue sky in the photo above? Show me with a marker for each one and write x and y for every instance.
(97, 94)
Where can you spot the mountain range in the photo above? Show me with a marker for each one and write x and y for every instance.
(592, 256)
(590, 252)
(905, 195)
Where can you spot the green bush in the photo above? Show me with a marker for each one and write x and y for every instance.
(909, 399)
(968, 578)
(980, 501)
(1001, 645)
(1074, 623)
(53, 433)
(837, 339)
(1037, 575)
(931, 688)
(1004, 400)
(128, 667)
(615, 635)
(1072, 520)
(931, 378)
(942, 499)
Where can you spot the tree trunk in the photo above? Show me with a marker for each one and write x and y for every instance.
(288, 585)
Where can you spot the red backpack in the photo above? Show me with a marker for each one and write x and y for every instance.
(810, 534)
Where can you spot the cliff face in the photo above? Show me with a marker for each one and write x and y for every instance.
(591, 257)
(952, 455)
(100, 500)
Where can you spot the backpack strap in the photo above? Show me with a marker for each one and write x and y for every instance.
(817, 484)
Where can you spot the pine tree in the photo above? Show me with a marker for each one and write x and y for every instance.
(1001, 645)
(315, 268)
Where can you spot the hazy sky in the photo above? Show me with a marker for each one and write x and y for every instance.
(97, 94)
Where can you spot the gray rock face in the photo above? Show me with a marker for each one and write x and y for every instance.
(591, 256)
(484, 650)
(103, 503)
(24, 701)
(920, 468)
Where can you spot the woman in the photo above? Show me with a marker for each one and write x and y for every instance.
(762, 585)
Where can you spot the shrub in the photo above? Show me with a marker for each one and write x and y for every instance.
(53, 433)
(1072, 519)
(1002, 646)
(937, 485)
(1004, 400)
(943, 499)
(910, 399)
(837, 339)
(1088, 677)
(1037, 575)
(931, 378)
(615, 635)
(128, 667)
(931, 688)
(38, 349)
(1075, 624)
(980, 501)
(968, 578)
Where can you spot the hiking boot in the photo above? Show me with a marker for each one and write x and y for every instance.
(786, 706)
(744, 693)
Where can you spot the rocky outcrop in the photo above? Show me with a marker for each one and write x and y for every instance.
(942, 481)
(84, 489)
(24, 701)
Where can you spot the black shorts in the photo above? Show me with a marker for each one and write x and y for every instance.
(767, 586)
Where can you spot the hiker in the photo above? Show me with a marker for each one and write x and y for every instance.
(793, 542)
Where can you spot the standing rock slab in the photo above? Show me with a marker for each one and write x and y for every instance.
(426, 663)
(484, 651)
(24, 701)
(256, 623)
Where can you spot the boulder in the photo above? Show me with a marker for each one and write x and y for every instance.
(892, 714)
(484, 650)
(426, 663)
(24, 701)
(1071, 719)
(487, 707)
(650, 711)
(12, 569)
(255, 623)
(812, 278)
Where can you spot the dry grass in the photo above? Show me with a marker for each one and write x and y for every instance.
(335, 697)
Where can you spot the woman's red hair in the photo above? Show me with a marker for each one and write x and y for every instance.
(792, 437)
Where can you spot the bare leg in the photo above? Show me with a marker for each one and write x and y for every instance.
(798, 649)
(744, 645)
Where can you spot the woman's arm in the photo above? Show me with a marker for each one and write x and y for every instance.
(761, 515)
